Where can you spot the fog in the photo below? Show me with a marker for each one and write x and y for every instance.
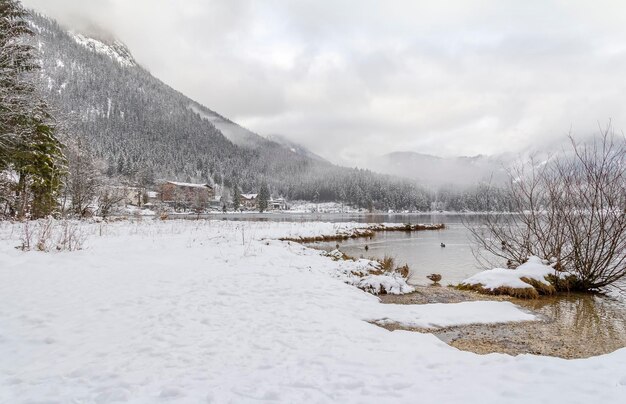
(354, 80)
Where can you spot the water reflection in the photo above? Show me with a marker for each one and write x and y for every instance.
(422, 251)
(596, 318)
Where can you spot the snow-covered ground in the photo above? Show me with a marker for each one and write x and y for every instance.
(323, 207)
(221, 312)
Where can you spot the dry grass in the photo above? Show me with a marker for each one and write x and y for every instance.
(368, 232)
(335, 237)
(536, 289)
(520, 293)
(387, 264)
(541, 288)
(408, 227)
(50, 235)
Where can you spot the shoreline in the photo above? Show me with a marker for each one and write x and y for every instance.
(561, 331)
(367, 232)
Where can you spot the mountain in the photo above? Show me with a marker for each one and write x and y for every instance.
(433, 170)
(141, 128)
(233, 132)
(295, 147)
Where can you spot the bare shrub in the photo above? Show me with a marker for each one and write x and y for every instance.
(26, 237)
(50, 234)
(108, 197)
(70, 237)
(570, 209)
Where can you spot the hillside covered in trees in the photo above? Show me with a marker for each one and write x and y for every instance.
(142, 131)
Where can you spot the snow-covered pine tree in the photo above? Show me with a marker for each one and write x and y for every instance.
(236, 196)
(28, 144)
(16, 58)
(263, 198)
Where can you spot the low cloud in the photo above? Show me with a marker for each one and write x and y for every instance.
(355, 79)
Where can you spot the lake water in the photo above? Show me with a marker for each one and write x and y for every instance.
(421, 250)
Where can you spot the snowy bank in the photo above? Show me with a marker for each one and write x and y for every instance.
(368, 275)
(439, 315)
(221, 312)
(527, 280)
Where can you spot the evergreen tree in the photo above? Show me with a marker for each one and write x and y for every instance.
(236, 196)
(28, 142)
(16, 59)
(263, 197)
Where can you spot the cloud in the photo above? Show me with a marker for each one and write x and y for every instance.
(356, 79)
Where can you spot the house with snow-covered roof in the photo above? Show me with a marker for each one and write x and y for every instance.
(248, 201)
(277, 204)
(186, 195)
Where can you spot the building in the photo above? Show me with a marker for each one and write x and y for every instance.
(248, 201)
(153, 196)
(184, 195)
(277, 204)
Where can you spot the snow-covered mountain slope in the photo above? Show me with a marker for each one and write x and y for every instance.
(295, 147)
(233, 132)
(138, 125)
(115, 50)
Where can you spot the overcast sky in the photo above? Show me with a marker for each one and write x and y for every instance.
(354, 79)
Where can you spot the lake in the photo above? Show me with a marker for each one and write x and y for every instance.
(421, 250)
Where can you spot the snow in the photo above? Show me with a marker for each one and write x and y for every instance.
(392, 284)
(366, 275)
(189, 184)
(10, 176)
(325, 207)
(116, 51)
(220, 312)
(491, 279)
(134, 210)
(445, 315)
(249, 196)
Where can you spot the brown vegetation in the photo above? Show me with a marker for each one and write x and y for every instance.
(367, 232)
(387, 264)
(520, 293)
(534, 291)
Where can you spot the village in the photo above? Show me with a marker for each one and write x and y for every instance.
(187, 197)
